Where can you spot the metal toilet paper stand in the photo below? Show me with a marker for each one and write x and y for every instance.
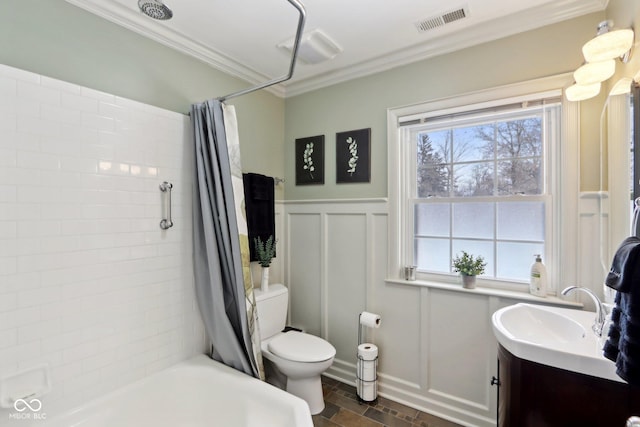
(361, 383)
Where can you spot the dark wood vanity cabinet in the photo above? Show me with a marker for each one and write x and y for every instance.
(535, 395)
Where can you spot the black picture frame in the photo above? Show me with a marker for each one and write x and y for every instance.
(310, 160)
(353, 156)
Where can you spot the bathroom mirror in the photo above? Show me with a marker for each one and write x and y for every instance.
(618, 167)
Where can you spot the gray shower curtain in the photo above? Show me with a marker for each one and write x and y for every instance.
(227, 309)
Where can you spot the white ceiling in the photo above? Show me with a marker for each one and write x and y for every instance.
(240, 37)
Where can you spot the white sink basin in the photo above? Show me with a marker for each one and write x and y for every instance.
(553, 336)
(539, 326)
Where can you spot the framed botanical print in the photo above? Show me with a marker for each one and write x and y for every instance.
(353, 156)
(310, 160)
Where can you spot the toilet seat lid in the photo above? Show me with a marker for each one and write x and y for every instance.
(301, 347)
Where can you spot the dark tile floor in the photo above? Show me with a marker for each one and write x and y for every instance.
(342, 409)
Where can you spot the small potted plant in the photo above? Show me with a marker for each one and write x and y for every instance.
(469, 267)
(265, 251)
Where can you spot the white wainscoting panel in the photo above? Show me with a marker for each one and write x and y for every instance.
(305, 247)
(437, 351)
(346, 273)
(399, 307)
(458, 325)
(592, 245)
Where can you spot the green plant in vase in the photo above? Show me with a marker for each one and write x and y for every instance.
(265, 251)
(469, 266)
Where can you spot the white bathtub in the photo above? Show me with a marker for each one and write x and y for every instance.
(194, 393)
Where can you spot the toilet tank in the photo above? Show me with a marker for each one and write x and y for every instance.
(272, 309)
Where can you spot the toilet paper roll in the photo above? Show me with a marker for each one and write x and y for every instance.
(367, 351)
(368, 392)
(371, 320)
(367, 370)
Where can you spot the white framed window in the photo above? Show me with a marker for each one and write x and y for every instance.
(482, 173)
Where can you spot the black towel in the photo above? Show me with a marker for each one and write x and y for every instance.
(625, 268)
(259, 202)
(623, 341)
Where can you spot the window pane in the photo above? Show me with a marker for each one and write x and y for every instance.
(475, 248)
(521, 221)
(432, 180)
(468, 144)
(519, 138)
(477, 156)
(432, 219)
(473, 179)
(440, 142)
(475, 220)
(432, 255)
(515, 259)
(432, 174)
(520, 176)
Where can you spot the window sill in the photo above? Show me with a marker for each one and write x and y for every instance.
(502, 293)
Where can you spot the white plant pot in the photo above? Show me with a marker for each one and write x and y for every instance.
(468, 282)
(264, 282)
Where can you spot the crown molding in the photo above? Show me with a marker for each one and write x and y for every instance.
(547, 14)
(140, 24)
(530, 19)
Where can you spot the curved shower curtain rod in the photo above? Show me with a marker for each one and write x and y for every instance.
(294, 55)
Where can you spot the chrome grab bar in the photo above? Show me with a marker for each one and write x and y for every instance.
(167, 223)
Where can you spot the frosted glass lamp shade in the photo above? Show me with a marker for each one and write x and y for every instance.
(609, 45)
(622, 86)
(578, 92)
(595, 72)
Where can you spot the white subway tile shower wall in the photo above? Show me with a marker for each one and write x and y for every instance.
(89, 283)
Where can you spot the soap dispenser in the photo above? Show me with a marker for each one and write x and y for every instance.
(538, 278)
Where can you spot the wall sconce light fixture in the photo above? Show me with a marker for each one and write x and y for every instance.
(579, 92)
(595, 72)
(621, 87)
(600, 54)
(608, 43)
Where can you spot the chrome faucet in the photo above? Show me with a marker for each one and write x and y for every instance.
(600, 310)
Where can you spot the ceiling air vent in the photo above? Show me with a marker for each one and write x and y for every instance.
(442, 19)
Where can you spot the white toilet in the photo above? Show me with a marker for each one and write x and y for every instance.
(299, 356)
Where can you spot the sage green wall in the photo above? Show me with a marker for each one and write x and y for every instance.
(62, 41)
(59, 40)
(363, 102)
